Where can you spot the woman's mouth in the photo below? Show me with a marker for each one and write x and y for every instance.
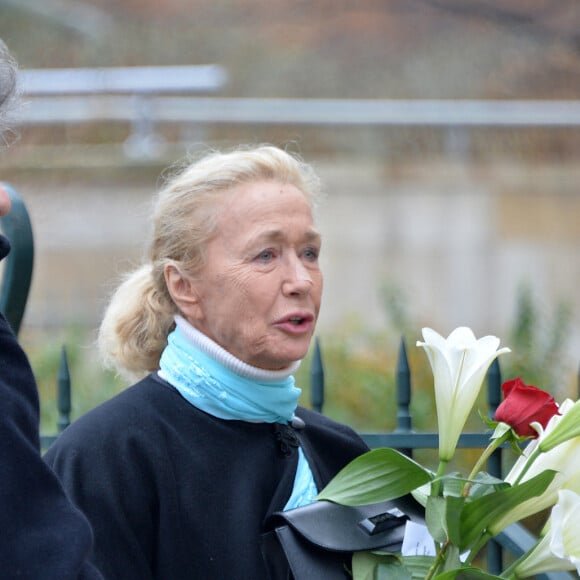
(296, 323)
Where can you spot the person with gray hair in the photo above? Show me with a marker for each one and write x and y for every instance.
(8, 85)
(178, 473)
(8, 69)
(43, 535)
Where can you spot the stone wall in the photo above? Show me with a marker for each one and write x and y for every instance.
(456, 242)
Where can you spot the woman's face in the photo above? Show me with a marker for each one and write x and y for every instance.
(259, 293)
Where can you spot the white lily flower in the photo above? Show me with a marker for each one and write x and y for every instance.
(562, 458)
(543, 434)
(564, 429)
(559, 549)
(459, 364)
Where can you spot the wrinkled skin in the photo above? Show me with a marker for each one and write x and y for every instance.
(259, 293)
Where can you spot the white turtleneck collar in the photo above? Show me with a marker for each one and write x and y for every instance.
(228, 360)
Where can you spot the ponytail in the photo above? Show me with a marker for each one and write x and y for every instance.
(136, 323)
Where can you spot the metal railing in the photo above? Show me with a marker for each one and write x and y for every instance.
(130, 94)
(515, 539)
(149, 97)
(66, 109)
(134, 80)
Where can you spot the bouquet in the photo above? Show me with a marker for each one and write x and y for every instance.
(463, 512)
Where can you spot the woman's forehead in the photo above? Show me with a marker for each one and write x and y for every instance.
(262, 200)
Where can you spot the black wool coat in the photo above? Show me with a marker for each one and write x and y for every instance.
(42, 535)
(174, 493)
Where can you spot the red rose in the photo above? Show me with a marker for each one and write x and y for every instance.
(524, 404)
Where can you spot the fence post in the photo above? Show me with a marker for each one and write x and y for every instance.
(317, 378)
(63, 393)
(403, 381)
(494, 463)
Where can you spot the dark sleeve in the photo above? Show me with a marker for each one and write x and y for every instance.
(328, 445)
(42, 534)
(4, 247)
(106, 473)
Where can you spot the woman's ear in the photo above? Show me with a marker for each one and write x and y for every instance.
(182, 291)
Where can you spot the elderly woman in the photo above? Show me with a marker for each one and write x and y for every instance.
(178, 473)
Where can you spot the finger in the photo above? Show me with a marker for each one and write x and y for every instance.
(4, 201)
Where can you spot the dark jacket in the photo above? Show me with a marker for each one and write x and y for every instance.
(174, 493)
(42, 536)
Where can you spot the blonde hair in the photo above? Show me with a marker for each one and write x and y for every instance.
(141, 312)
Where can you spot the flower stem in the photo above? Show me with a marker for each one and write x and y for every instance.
(528, 464)
(509, 572)
(495, 444)
(436, 486)
(437, 490)
(437, 562)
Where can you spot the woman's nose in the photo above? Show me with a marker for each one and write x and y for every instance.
(298, 279)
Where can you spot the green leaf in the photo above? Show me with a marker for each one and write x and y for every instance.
(453, 483)
(484, 483)
(480, 513)
(376, 566)
(379, 475)
(488, 421)
(435, 518)
(500, 430)
(454, 507)
(466, 574)
(421, 493)
(485, 478)
(364, 565)
(418, 566)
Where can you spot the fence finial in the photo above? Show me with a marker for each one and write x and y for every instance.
(404, 420)
(317, 378)
(493, 386)
(64, 392)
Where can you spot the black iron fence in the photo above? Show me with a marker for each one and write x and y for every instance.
(515, 539)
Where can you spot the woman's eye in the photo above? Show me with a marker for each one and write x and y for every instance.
(311, 254)
(266, 255)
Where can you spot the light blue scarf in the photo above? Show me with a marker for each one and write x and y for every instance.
(305, 490)
(213, 380)
(216, 382)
